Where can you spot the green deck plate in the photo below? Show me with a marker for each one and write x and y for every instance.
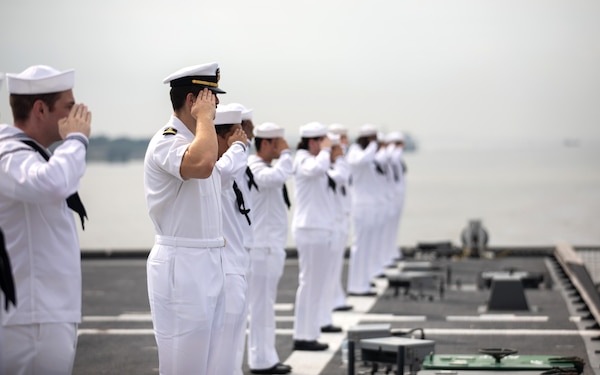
(487, 362)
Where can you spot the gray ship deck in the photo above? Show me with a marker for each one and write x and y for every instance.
(116, 336)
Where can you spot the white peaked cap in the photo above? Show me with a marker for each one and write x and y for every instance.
(394, 137)
(40, 79)
(226, 115)
(204, 75)
(367, 130)
(246, 112)
(268, 130)
(338, 129)
(313, 130)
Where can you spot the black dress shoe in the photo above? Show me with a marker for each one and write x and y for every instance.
(344, 308)
(313, 345)
(279, 368)
(331, 329)
(365, 294)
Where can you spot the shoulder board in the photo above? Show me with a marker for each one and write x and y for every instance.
(170, 131)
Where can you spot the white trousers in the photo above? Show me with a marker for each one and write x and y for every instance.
(332, 267)
(338, 296)
(389, 231)
(31, 349)
(394, 253)
(315, 281)
(230, 344)
(186, 291)
(367, 239)
(266, 268)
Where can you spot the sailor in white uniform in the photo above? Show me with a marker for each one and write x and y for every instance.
(244, 181)
(186, 279)
(395, 149)
(231, 165)
(38, 191)
(312, 228)
(385, 195)
(342, 222)
(270, 205)
(338, 175)
(367, 175)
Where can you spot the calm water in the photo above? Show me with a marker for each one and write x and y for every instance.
(524, 196)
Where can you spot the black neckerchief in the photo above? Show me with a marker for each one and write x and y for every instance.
(251, 181)
(239, 197)
(73, 201)
(286, 197)
(7, 283)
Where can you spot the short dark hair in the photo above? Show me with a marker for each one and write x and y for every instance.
(21, 105)
(303, 144)
(178, 95)
(222, 130)
(363, 142)
(258, 142)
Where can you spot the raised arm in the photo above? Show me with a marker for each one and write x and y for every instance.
(199, 159)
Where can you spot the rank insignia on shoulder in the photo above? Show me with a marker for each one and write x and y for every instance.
(170, 131)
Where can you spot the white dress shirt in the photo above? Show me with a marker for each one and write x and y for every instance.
(231, 165)
(180, 208)
(270, 211)
(313, 196)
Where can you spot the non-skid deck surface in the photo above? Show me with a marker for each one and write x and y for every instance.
(116, 334)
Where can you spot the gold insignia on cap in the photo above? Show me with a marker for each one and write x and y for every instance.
(205, 83)
(170, 131)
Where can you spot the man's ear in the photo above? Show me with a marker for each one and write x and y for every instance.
(39, 108)
(190, 99)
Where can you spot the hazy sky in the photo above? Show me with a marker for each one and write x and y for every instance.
(446, 71)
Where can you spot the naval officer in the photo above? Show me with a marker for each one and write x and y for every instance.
(38, 190)
(186, 280)
(270, 205)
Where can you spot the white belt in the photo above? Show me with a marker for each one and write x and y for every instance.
(190, 242)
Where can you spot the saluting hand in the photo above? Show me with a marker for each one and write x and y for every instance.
(280, 145)
(205, 105)
(336, 152)
(79, 120)
(237, 135)
(325, 143)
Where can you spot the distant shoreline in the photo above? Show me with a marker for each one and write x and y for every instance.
(124, 149)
